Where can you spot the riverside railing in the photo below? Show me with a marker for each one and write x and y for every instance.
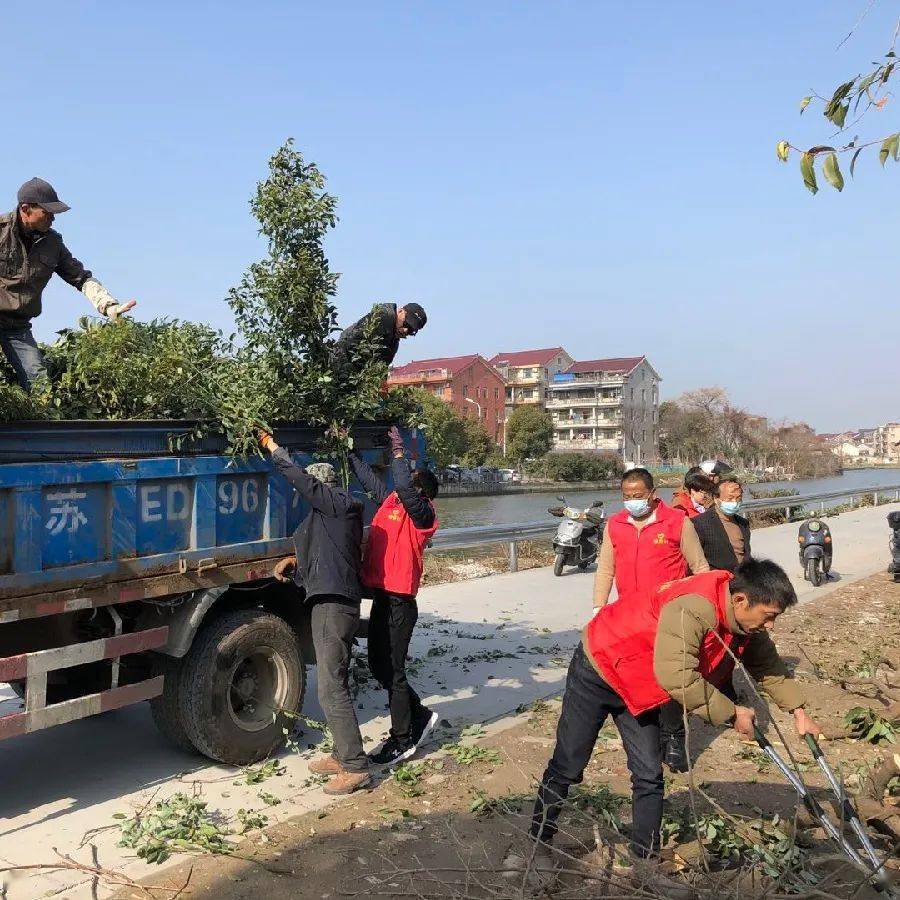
(512, 533)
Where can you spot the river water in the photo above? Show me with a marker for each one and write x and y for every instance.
(456, 512)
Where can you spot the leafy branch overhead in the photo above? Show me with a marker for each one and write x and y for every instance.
(856, 98)
(279, 365)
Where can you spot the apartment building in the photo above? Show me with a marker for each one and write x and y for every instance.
(528, 374)
(607, 404)
(470, 384)
(887, 442)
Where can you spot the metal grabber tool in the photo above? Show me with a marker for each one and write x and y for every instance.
(875, 870)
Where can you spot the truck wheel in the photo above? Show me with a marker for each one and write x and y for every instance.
(168, 709)
(241, 675)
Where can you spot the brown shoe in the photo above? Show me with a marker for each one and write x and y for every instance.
(325, 765)
(347, 783)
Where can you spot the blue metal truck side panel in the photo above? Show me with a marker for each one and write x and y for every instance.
(72, 523)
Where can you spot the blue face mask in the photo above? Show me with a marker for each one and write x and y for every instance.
(731, 507)
(638, 508)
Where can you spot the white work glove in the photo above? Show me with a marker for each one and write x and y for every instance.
(103, 301)
(114, 310)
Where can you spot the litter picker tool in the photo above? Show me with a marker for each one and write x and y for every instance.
(879, 877)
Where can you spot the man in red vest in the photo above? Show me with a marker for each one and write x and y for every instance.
(392, 569)
(635, 656)
(647, 544)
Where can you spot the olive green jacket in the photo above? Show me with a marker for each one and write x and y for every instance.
(24, 273)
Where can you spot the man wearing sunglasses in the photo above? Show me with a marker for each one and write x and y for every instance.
(387, 325)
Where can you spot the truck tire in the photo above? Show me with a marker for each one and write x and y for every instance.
(168, 709)
(242, 671)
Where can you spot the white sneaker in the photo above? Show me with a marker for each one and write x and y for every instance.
(429, 726)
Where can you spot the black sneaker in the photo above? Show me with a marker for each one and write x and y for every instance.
(675, 756)
(392, 751)
(423, 726)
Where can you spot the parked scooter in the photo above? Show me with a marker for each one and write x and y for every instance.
(815, 550)
(579, 535)
(894, 544)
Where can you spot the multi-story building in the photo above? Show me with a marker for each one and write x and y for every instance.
(607, 404)
(887, 442)
(528, 374)
(470, 384)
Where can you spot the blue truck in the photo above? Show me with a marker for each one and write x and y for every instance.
(136, 564)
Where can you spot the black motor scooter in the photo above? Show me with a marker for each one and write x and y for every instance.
(815, 550)
(894, 565)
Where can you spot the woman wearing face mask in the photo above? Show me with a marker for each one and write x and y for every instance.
(697, 494)
(724, 533)
(645, 545)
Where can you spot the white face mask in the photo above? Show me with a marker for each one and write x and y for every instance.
(638, 508)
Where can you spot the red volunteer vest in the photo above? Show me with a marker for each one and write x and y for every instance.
(622, 636)
(393, 560)
(650, 557)
(682, 500)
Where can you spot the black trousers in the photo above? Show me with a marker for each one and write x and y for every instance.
(334, 621)
(587, 701)
(391, 625)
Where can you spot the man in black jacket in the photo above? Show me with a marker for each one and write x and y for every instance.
(723, 532)
(389, 325)
(392, 570)
(328, 545)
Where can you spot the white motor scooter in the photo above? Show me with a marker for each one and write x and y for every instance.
(578, 536)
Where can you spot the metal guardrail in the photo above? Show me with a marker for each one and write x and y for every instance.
(512, 532)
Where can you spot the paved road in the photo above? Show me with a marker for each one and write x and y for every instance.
(484, 647)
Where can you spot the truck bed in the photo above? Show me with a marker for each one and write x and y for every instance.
(97, 513)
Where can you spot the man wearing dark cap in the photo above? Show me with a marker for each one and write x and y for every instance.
(388, 326)
(30, 252)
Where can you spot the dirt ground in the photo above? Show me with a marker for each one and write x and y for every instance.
(444, 826)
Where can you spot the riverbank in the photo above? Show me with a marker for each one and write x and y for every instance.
(485, 489)
(504, 507)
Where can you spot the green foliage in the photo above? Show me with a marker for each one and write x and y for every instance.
(409, 777)
(867, 667)
(600, 803)
(263, 772)
(250, 819)
(285, 315)
(857, 97)
(485, 807)
(866, 725)
(133, 370)
(16, 405)
(580, 466)
(177, 825)
(479, 445)
(278, 367)
(529, 433)
(466, 754)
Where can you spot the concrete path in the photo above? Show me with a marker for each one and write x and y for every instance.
(482, 648)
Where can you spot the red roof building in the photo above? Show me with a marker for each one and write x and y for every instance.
(470, 384)
(528, 373)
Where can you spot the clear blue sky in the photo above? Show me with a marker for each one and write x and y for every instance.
(600, 175)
